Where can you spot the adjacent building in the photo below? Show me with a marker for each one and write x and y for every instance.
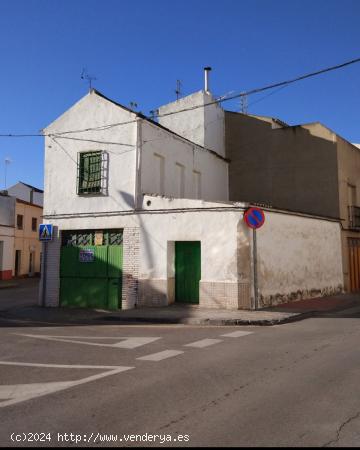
(26, 192)
(7, 236)
(305, 168)
(27, 247)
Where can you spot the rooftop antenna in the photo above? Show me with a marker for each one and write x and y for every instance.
(133, 105)
(153, 114)
(178, 89)
(85, 76)
(7, 162)
(244, 103)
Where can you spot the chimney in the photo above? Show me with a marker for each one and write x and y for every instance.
(207, 70)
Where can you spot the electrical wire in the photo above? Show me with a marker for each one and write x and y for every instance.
(216, 101)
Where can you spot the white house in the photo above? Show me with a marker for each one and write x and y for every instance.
(142, 217)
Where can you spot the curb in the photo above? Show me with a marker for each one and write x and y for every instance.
(7, 286)
(212, 322)
(10, 314)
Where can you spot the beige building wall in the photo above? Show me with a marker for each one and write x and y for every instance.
(349, 195)
(27, 245)
(6, 252)
(293, 168)
(306, 168)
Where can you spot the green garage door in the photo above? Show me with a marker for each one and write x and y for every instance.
(91, 275)
(187, 271)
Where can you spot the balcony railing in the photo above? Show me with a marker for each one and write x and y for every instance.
(354, 217)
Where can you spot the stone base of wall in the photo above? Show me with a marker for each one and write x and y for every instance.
(171, 290)
(224, 294)
(153, 292)
(6, 274)
(213, 294)
(277, 299)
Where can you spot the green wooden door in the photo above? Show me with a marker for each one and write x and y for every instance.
(187, 271)
(96, 283)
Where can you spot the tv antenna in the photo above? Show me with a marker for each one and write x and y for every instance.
(7, 162)
(85, 76)
(244, 103)
(133, 105)
(153, 114)
(178, 89)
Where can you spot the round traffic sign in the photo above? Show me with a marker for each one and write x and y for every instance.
(254, 217)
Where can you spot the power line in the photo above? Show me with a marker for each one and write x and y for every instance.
(90, 140)
(217, 101)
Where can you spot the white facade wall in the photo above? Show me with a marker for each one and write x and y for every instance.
(61, 155)
(161, 148)
(204, 125)
(298, 257)
(149, 241)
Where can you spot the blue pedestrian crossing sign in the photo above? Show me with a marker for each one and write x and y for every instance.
(45, 232)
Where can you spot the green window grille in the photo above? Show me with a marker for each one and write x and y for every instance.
(92, 170)
(83, 238)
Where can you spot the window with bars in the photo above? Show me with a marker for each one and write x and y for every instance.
(83, 238)
(354, 217)
(92, 173)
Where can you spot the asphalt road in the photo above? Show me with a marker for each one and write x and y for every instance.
(287, 385)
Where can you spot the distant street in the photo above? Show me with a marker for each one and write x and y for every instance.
(287, 385)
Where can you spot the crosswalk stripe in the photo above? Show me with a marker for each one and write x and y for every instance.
(203, 343)
(161, 355)
(236, 334)
(127, 342)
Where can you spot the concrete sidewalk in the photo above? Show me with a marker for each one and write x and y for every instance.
(185, 314)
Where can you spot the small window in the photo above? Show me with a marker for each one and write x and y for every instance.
(34, 224)
(19, 221)
(91, 173)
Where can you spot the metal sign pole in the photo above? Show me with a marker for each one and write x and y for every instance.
(256, 303)
(44, 263)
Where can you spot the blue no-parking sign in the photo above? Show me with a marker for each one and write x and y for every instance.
(45, 232)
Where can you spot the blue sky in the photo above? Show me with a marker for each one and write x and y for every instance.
(137, 51)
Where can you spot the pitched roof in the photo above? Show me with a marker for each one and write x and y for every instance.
(142, 116)
(35, 189)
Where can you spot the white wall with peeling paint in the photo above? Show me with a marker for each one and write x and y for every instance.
(298, 257)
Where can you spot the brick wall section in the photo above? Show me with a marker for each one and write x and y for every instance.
(131, 265)
(52, 284)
